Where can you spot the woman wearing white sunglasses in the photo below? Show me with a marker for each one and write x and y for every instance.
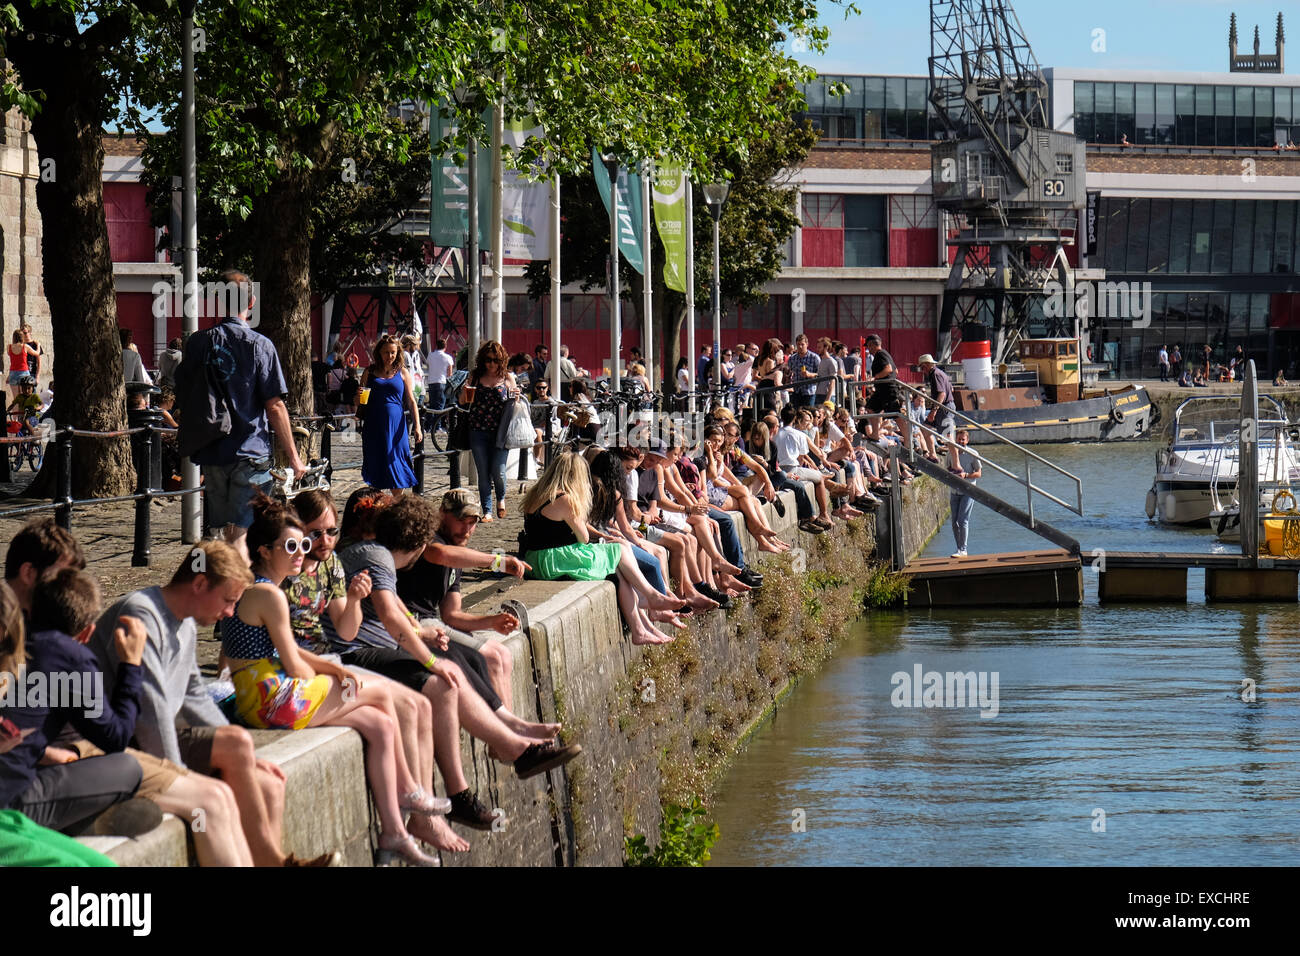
(280, 685)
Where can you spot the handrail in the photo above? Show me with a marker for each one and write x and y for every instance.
(1026, 482)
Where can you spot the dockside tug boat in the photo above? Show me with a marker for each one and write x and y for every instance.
(1046, 400)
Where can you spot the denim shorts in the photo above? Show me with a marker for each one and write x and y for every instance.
(228, 491)
(16, 377)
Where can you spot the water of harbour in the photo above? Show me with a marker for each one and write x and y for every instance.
(1129, 718)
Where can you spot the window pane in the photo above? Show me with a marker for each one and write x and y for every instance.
(873, 92)
(1282, 236)
(1083, 97)
(1145, 111)
(1185, 110)
(815, 93)
(1106, 113)
(1263, 241)
(1202, 232)
(1125, 115)
(852, 100)
(1245, 97)
(1282, 106)
(1243, 224)
(1225, 128)
(1158, 244)
(1180, 235)
(1204, 115)
(1138, 217)
(1221, 238)
(1264, 116)
(864, 212)
(895, 112)
(1085, 123)
(916, 108)
(1116, 234)
(1164, 113)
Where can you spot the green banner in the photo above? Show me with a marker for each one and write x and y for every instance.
(449, 190)
(668, 191)
(629, 209)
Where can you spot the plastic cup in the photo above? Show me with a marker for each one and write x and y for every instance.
(363, 396)
(470, 390)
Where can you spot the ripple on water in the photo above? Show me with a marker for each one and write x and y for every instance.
(1133, 711)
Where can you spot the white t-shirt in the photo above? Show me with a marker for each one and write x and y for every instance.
(790, 444)
(744, 372)
(683, 380)
(440, 362)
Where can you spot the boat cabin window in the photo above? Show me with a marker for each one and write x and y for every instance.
(1065, 348)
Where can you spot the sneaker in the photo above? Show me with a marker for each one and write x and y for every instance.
(468, 809)
(958, 554)
(722, 600)
(811, 527)
(752, 578)
(130, 818)
(539, 758)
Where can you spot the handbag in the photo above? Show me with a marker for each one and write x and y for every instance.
(516, 428)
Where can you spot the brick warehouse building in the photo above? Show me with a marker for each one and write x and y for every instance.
(1198, 203)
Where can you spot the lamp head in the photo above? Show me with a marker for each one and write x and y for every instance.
(715, 194)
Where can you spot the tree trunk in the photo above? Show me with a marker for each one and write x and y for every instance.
(78, 266)
(282, 269)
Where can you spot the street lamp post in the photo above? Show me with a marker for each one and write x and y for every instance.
(616, 318)
(191, 516)
(467, 101)
(715, 196)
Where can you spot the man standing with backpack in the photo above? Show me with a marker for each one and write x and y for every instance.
(230, 386)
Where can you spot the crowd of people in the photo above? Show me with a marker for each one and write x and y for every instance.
(354, 617)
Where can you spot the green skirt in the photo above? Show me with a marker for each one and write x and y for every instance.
(577, 562)
(23, 843)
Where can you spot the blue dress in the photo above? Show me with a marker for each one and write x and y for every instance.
(385, 448)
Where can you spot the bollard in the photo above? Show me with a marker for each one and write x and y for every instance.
(145, 453)
(63, 479)
(327, 446)
(418, 461)
(4, 464)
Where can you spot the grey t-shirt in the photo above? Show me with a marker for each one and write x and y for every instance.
(378, 560)
(828, 365)
(969, 460)
(173, 687)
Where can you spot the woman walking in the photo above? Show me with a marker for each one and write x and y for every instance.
(385, 449)
(489, 387)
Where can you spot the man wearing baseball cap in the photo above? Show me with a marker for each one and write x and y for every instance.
(943, 402)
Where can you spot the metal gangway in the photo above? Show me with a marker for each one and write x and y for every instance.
(1029, 462)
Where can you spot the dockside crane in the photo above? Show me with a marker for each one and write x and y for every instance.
(1012, 183)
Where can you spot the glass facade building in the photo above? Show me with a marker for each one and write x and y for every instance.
(1222, 273)
(1184, 114)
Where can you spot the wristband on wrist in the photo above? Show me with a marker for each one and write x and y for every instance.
(497, 562)
(428, 665)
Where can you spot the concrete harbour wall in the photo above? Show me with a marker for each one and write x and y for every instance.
(655, 723)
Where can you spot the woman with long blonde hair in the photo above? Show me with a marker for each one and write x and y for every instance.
(557, 544)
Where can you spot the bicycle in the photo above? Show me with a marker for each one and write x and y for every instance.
(21, 425)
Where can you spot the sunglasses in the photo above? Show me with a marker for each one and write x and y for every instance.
(321, 532)
(294, 545)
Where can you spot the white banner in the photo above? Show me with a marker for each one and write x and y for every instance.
(525, 204)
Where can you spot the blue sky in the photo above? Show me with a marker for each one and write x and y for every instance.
(893, 36)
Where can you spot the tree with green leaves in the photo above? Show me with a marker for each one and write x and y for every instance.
(74, 64)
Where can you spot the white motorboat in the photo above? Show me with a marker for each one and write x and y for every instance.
(1200, 464)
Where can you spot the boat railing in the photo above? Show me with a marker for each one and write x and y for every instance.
(1028, 458)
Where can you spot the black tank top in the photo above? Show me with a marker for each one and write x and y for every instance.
(541, 532)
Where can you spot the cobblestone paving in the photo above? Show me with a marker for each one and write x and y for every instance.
(106, 532)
